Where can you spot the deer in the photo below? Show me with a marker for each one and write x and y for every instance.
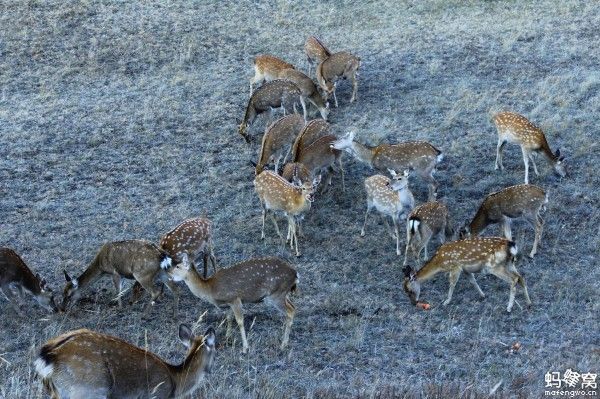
(308, 88)
(140, 260)
(493, 255)
(419, 156)
(342, 65)
(312, 131)
(278, 137)
(516, 129)
(295, 171)
(390, 198)
(275, 94)
(194, 237)
(267, 68)
(250, 281)
(88, 364)
(315, 51)
(319, 156)
(521, 201)
(277, 194)
(424, 222)
(16, 276)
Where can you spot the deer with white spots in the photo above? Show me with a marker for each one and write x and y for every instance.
(419, 156)
(337, 66)
(250, 281)
(308, 88)
(516, 129)
(277, 141)
(295, 171)
(391, 198)
(425, 222)
(319, 157)
(492, 255)
(521, 201)
(87, 364)
(277, 194)
(267, 68)
(194, 237)
(315, 51)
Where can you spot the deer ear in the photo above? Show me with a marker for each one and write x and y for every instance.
(186, 336)
(67, 277)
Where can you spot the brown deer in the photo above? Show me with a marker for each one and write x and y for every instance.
(278, 138)
(267, 68)
(492, 255)
(390, 198)
(419, 156)
(311, 132)
(521, 201)
(516, 129)
(319, 157)
(424, 222)
(275, 94)
(87, 364)
(315, 51)
(140, 260)
(295, 171)
(15, 275)
(194, 237)
(277, 194)
(250, 281)
(308, 88)
(342, 65)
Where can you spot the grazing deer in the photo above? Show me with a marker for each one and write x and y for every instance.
(312, 131)
(342, 65)
(295, 171)
(315, 51)
(516, 129)
(267, 68)
(194, 237)
(277, 194)
(250, 281)
(16, 276)
(424, 222)
(419, 156)
(319, 156)
(390, 198)
(279, 136)
(133, 259)
(308, 88)
(492, 255)
(275, 94)
(523, 200)
(87, 364)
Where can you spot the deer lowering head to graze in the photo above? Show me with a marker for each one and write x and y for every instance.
(295, 171)
(311, 132)
(391, 198)
(87, 364)
(521, 201)
(275, 94)
(140, 260)
(15, 276)
(315, 51)
(419, 156)
(277, 140)
(516, 129)
(308, 88)
(277, 194)
(342, 65)
(424, 222)
(492, 255)
(267, 68)
(319, 157)
(250, 281)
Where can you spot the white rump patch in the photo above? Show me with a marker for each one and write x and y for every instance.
(414, 225)
(440, 158)
(166, 263)
(514, 250)
(43, 369)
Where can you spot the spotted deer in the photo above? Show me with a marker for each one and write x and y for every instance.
(419, 156)
(194, 237)
(308, 88)
(267, 68)
(250, 281)
(516, 129)
(140, 260)
(424, 222)
(391, 198)
(315, 51)
(275, 94)
(342, 65)
(521, 201)
(277, 194)
(277, 140)
(295, 171)
(492, 255)
(319, 157)
(312, 131)
(87, 364)
(16, 276)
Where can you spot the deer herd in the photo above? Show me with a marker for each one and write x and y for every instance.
(296, 155)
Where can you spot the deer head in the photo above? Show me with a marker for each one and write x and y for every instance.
(411, 286)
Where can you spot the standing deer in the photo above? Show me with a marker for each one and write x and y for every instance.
(342, 65)
(275, 94)
(267, 68)
(523, 200)
(516, 129)
(87, 364)
(277, 194)
(311, 132)
(419, 156)
(319, 156)
(278, 138)
(308, 88)
(424, 222)
(133, 259)
(15, 275)
(315, 51)
(492, 255)
(194, 237)
(250, 281)
(390, 198)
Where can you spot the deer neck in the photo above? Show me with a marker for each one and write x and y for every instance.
(199, 287)
(187, 375)
(430, 269)
(90, 274)
(545, 149)
(363, 153)
(479, 222)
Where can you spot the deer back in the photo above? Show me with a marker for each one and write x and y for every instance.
(273, 94)
(13, 270)
(338, 64)
(318, 154)
(304, 83)
(312, 131)
(417, 155)
(514, 202)
(278, 135)
(279, 194)
(190, 236)
(315, 49)
(270, 66)
(433, 214)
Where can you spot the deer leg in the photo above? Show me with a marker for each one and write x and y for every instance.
(284, 304)
(172, 286)
(287, 154)
(238, 313)
(506, 228)
(531, 157)
(387, 226)
(116, 277)
(303, 103)
(396, 229)
(334, 95)
(362, 231)
(354, 87)
(511, 279)
(526, 162)
(211, 254)
(339, 161)
(499, 148)
(452, 279)
(12, 299)
(264, 216)
(474, 282)
(409, 239)
(427, 175)
(147, 283)
(538, 227)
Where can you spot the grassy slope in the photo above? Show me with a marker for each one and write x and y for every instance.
(117, 121)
